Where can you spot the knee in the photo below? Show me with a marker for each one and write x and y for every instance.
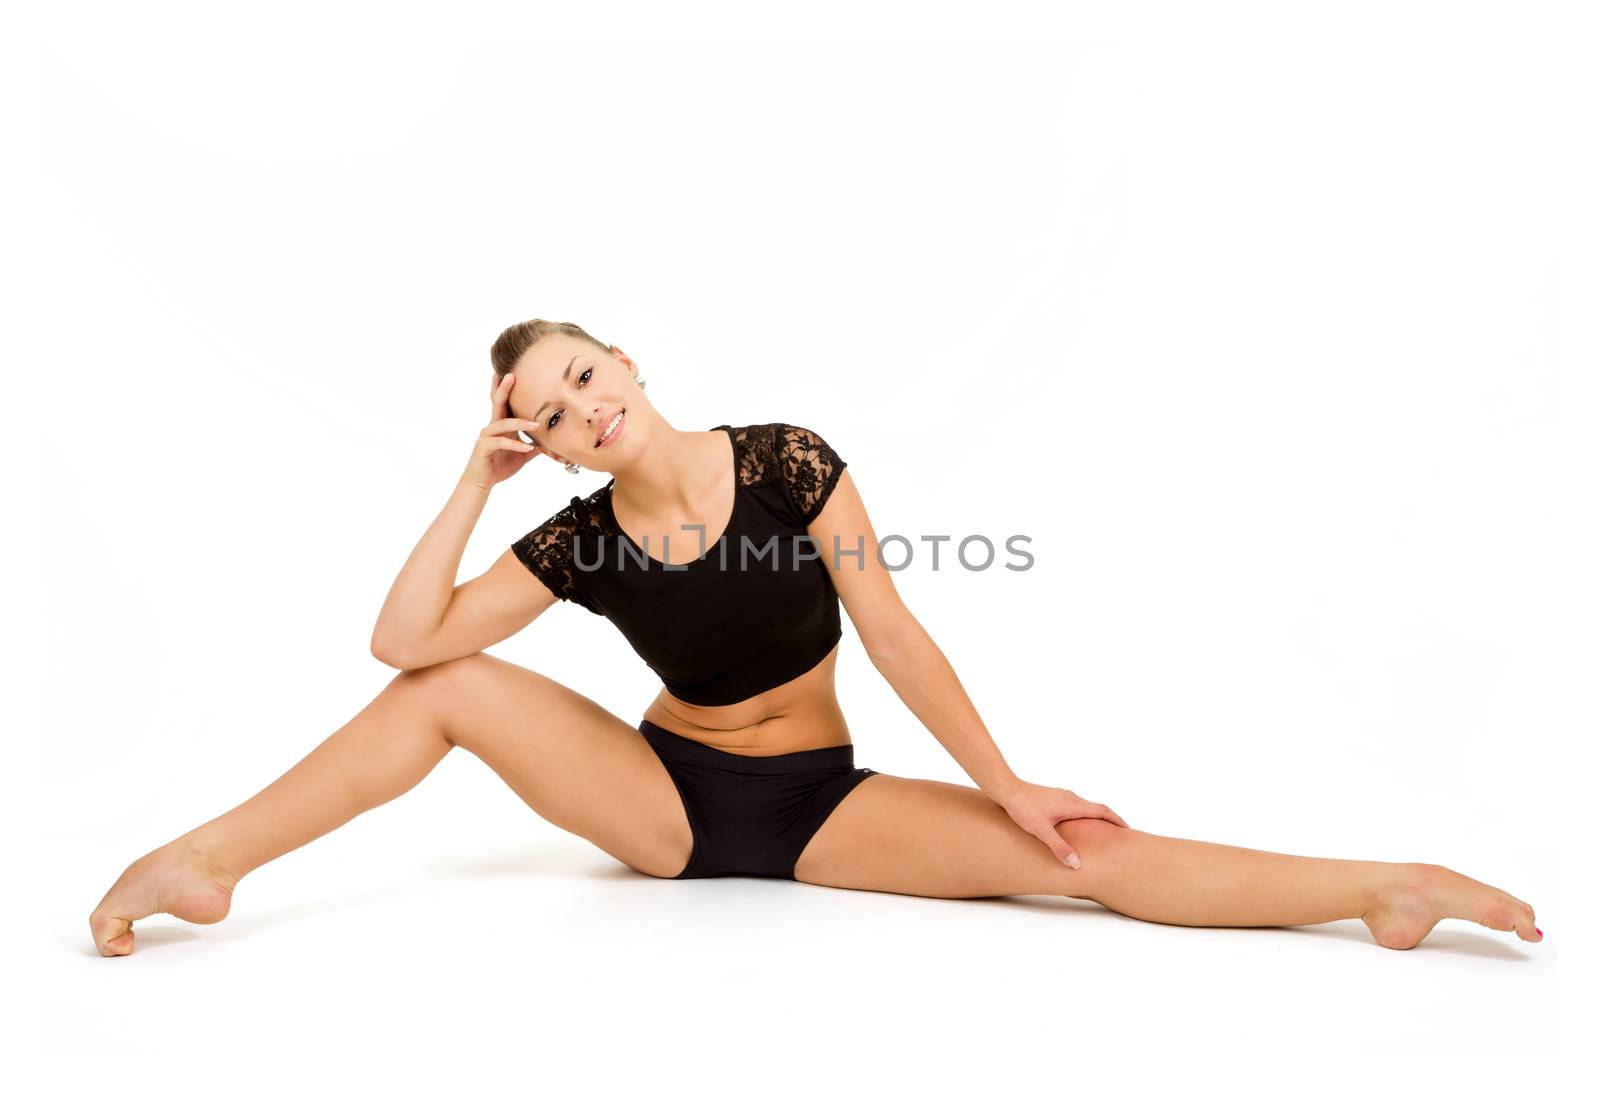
(441, 679)
(437, 671)
(1102, 846)
(1092, 835)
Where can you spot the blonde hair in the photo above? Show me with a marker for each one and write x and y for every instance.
(515, 340)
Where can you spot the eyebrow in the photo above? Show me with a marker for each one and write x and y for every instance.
(564, 374)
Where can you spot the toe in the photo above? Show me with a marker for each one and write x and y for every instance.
(112, 935)
(1507, 914)
(1499, 913)
(1522, 913)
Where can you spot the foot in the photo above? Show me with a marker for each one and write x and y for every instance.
(173, 879)
(1425, 894)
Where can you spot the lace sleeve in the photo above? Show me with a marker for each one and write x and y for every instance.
(547, 552)
(809, 467)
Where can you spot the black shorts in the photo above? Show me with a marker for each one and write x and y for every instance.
(752, 815)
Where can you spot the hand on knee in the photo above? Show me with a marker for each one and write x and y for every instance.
(1091, 836)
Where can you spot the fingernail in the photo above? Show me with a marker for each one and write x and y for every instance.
(1073, 861)
(1538, 930)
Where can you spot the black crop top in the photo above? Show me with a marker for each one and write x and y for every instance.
(756, 609)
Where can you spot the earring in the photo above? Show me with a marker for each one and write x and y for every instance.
(639, 379)
(573, 468)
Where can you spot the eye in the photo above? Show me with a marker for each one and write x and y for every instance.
(583, 379)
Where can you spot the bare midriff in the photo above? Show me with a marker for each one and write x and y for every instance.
(801, 714)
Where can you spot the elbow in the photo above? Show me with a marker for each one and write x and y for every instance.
(890, 637)
(387, 653)
(387, 656)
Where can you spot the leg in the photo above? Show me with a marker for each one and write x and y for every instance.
(568, 758)
(940, 840)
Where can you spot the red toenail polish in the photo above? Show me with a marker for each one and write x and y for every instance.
(1538, 930)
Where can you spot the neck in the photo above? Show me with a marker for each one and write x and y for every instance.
(670, 477)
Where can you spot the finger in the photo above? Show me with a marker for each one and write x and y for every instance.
(514, 445)
(505, 426)
(1110, 815)
(1060, 849)
(500, 397)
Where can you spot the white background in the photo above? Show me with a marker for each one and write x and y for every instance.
(1271, 325)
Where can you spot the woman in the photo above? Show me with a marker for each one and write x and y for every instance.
(743, 763)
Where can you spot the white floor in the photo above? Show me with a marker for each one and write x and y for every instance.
(451, 937)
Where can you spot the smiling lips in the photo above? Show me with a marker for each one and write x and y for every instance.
(612, 428)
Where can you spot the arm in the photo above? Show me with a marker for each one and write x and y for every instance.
(428, 619)
(900, 649)
(922, 677)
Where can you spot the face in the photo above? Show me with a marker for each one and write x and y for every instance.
(572, 392)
